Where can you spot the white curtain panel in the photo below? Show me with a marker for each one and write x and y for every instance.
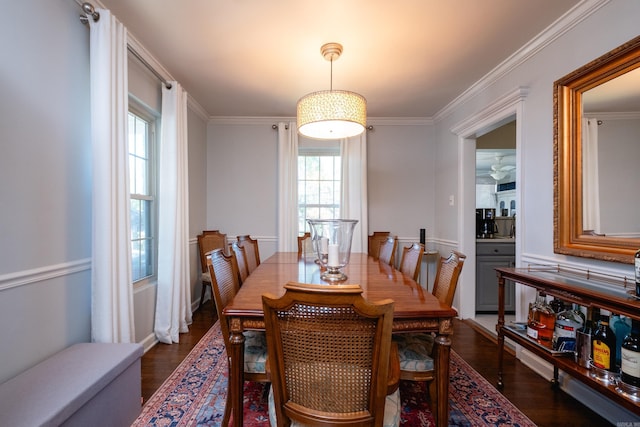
(590, 178)
(287, 187)
(112, 294)
(353, 205)
(173, 304)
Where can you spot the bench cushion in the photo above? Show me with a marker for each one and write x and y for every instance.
(51, 392)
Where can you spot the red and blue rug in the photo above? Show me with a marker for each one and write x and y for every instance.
(195, 395)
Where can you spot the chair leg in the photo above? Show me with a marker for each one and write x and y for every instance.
(204, 288)
(433, 394)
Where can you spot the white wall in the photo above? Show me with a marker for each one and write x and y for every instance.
(537, 72)
(242, 175)
(45, 182)
(618, 154)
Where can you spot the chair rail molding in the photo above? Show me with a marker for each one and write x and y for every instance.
(40, 274)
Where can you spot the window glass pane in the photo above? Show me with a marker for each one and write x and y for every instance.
(326, 168)
(312, 168)
(141, 176)
(136, 222)
(318, 187)
(326, 193)
(142, 207)
(312, 193)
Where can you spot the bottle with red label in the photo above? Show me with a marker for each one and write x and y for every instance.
(603, 344)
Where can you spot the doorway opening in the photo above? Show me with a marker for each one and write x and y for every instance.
(508, 109)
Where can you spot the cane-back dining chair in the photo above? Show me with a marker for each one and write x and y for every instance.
(387, 252)
(251, 251)
(224, 281)
(208, 241)
(241, 259)
(415, 348)
(330, 355)
(411, 260)
(374, 242)
(305, 244)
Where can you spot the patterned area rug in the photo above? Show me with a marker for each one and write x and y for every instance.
(195, 394)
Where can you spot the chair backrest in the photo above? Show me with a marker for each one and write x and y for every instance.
(208, 241)
(446, 281)
(251, 251)
(224, 284)
(329, 354)
(388, 250)
(411, 260)
(374, 242)
(241, 259)
(305, 244)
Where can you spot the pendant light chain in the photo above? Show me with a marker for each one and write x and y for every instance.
(331, 76)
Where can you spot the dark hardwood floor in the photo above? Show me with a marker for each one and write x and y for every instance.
(531, 393)
(159, 362)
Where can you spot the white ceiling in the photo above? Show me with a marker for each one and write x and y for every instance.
(409, 58)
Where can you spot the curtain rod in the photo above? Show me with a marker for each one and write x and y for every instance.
(88, 9)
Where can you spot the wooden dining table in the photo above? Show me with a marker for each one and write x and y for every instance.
(415, 309)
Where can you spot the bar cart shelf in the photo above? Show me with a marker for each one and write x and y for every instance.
(582, 287)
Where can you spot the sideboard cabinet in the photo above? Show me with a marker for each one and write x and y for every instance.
(573, 286)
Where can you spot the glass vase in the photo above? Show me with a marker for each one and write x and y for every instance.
(332, 243)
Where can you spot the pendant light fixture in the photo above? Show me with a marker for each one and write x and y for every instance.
(331, 114)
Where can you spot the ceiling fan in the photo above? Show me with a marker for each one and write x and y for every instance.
(500, 171)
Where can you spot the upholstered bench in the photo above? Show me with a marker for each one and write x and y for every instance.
(85, 384)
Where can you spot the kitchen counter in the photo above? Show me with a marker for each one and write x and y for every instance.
(498, 239)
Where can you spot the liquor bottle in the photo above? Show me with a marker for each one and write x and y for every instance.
(541, 322)
(603, 344)
(621, 326)
(630, 365)
(584, 337)
(557, 305)
(637, 271)
(568, 322)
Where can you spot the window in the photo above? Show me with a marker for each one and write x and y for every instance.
(142, 177)
(318, 185)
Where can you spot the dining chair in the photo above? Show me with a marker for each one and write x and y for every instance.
(330, 355)
(387, 252)
(305, 244)
(251, 251)
(415, 348)
(374, 242)
(224, 282)
(208, 241)
(411, 260)
(241, 259)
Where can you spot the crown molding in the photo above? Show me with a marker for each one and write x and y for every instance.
(196, 107)
(566, 22)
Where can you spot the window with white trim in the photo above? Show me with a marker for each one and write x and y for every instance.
(142, 188)
(318, 184)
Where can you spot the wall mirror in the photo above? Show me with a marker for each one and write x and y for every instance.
(596, 156)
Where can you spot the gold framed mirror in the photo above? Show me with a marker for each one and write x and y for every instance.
(586, 223)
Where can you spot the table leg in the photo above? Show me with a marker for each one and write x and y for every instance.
(442, 350)
(236, 370)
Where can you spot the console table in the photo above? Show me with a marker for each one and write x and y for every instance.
(574, 286)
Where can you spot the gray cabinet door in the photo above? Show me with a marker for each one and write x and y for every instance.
(487, 284)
